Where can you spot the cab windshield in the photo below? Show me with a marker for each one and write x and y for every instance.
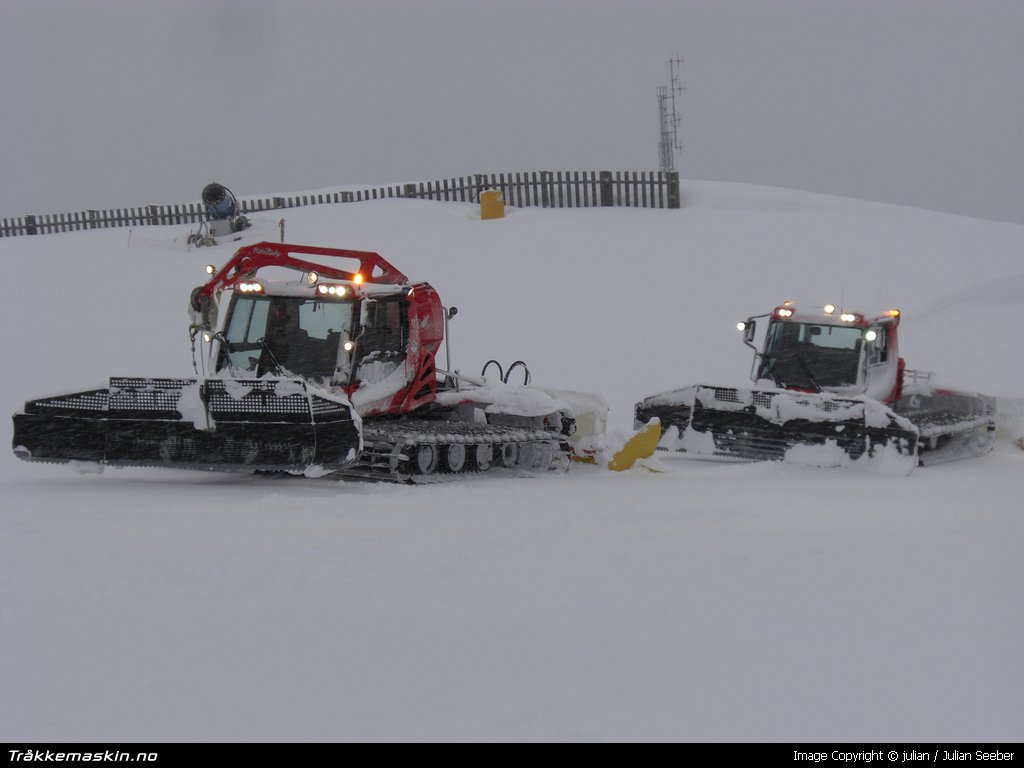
(301, 336)
(810, 356)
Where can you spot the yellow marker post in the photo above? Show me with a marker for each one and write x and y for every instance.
(492, 204)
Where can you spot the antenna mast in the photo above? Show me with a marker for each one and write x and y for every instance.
(669, 119)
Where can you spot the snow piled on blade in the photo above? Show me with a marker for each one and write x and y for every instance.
(289, 387)
(236, 389)
(191, 406)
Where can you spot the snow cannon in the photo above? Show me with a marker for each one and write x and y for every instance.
(222, 210)
(220, 203)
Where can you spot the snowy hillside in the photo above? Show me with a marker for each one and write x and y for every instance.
(709, 602)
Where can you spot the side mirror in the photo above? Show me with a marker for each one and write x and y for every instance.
(367, 315)
(452, 312)
(748, 328)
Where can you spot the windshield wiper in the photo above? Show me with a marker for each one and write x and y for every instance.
(810, 373)
(791, 354)
(276, 367)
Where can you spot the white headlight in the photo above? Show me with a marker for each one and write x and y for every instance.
(830, 308)
(870, 336)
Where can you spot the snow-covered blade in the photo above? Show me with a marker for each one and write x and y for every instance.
(211, 424)
(768, 424)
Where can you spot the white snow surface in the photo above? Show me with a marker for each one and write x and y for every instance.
(721, 602)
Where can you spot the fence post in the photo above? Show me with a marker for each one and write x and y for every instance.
(674, 200)
(606, 188)
(545, 189)
(30, 226)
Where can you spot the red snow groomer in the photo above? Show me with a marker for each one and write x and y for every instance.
(314, 361)
(825, 376)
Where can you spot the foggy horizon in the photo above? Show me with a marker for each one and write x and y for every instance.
(113, 104)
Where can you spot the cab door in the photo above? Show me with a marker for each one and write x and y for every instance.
(880, 363)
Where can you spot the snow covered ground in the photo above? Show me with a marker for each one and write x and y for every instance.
(709, 602)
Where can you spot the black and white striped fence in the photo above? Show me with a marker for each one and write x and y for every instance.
(547, 189)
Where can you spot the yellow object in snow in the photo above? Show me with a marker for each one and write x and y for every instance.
(639, 446)
(492, 204)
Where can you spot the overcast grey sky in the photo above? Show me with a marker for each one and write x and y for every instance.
(110, 103)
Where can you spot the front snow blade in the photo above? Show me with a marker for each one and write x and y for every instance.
(766, 424)
(210, 424)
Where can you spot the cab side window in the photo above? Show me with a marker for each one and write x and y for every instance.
(383, 339)
(878, 349)
(386, 328)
